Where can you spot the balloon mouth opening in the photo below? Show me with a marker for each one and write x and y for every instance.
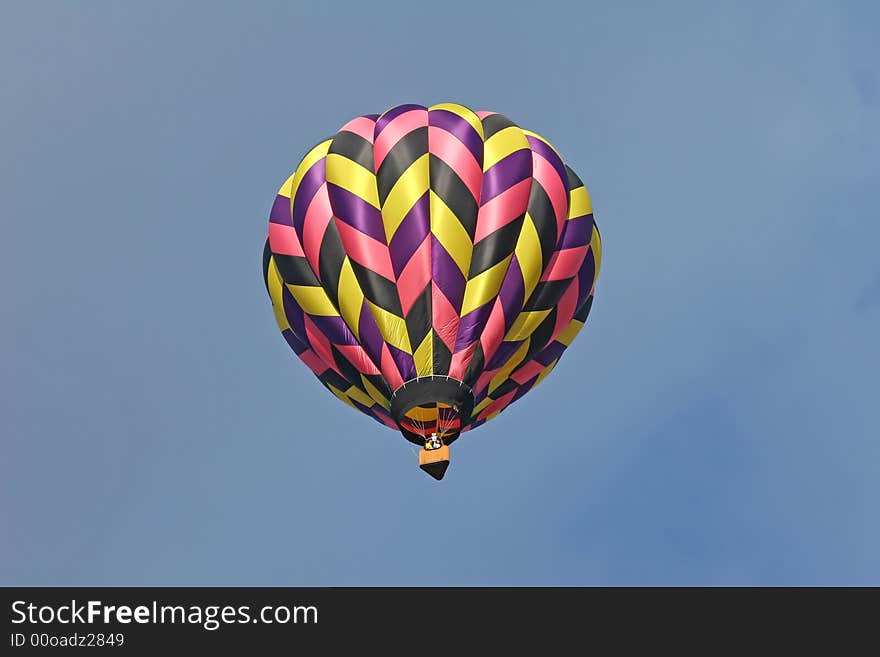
(432, 406)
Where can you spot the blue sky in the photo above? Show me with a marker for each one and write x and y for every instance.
(715, 423)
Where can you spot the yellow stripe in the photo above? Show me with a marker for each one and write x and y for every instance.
(273, 278)
(483, 404)
(287, 186)
(392, 327)
(569, 332)
(375, 393)
(351, 297)
(502, 144)
(579, 203)
(351, 176)
(424, 356)
(407, 189)
(341, 395)
(484, 287)
(465, 113)
(313, 300)
(540, 138)
(525, 324)
(359, 396)
(596, 248)
(448, 230)
(528, 255)
(313, 156)
(509, 366)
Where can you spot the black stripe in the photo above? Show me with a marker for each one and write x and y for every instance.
(496, 247)
(295, 270)
(544, 218)
(418, 319)
(508, 386)
(378, 289)
(547, 294)
(406, 151)
(495, 123)
(380, 383)
(442, 356)
(455, 194)
(267, 258)
(332, 377)
(331, 256)
(573, 181)
(584, 311)
(540, 337)
(349, 371)
(354, 147)
(475, 368)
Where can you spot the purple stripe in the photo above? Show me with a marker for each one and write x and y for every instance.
(356, 212)
(379, 412)
(446, 274)
(308, 187)
(585, 278)
(335, 329)
(524, 388)
(502, 355)
(550, 353)
(471, 326)
(295, 343)
(505, 174)
(550, 155)
(294, 315)
(461, 129)
(281, 211)
(512, 293)
(371, 338)
(363, 409)
(576, 232)
(386, 118)
(404, 361)
(410, 234)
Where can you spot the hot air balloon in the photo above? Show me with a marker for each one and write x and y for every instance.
(430, 265)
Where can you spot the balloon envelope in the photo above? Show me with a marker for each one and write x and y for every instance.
(431, 264)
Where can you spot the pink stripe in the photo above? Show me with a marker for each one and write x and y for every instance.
(445, 317)
(358, 357)
(533, 368)
(448, 148)
(415, 277)
(460, 361)
(484, 380)
(362, 126)
(493, 332)
(483, 115)
(315, 225)
(548, 178)
(389, 369)
(565, 264)
(565, 309)
(498, 405)
(284, 240)
(385, 418)
(310, 358)
(392, 133)
(503, 209)
(320, 343)
(365, 250)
